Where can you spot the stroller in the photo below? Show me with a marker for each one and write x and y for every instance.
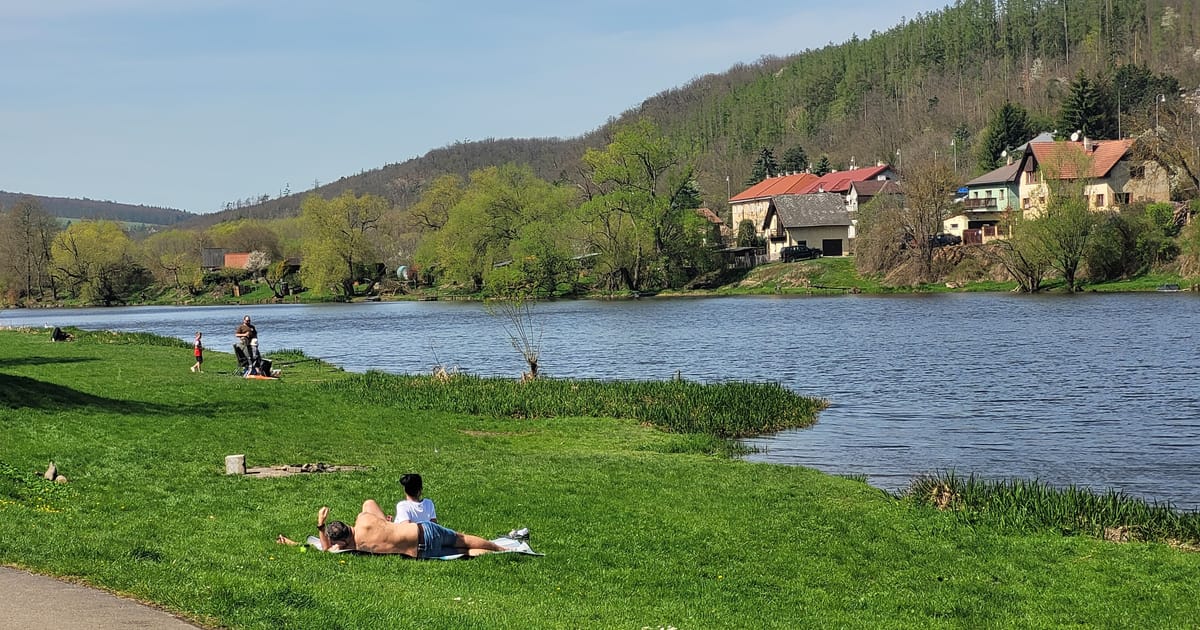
(251, 364)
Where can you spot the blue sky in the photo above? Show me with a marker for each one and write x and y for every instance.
(192, 103)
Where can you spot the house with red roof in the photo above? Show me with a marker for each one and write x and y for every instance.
(753, 203)
(1110, 175)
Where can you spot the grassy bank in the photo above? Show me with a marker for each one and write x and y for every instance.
(641, 526)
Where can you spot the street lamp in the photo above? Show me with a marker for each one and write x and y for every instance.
(954, 147)
(1161, 98)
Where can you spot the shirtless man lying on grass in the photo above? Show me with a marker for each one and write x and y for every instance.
(373, 533)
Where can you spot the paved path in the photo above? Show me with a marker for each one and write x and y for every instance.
(36, 602)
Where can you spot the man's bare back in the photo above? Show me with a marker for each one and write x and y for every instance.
(374, 533)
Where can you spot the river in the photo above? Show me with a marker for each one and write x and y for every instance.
(1091, 390)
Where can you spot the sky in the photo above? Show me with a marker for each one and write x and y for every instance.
(191, 104)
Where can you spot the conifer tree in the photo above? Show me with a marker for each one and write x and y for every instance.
(795, 160)
(822, 166)
(1008, 128)
(1083, 109)
(764, 166)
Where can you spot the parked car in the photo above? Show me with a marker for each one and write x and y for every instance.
(936, 240)
(799, 252)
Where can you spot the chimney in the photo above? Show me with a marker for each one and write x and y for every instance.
(1088, 147)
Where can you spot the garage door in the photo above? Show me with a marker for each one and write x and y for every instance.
(831, 247)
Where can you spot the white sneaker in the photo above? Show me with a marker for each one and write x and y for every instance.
(519, 534)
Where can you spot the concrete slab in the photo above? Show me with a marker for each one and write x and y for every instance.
(37, 602)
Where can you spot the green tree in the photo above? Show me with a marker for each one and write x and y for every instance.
(1022, 255)
(95, 260)
(432, 210)
(636, 220)
(173, 256)
(823, 166)
(747, 234)
(1084, 110)
(765, 166)
(1064, 226)
(1112, 251)
(1008, 128)
(339, 243)
(246, 235)
(510, 228)
(795, 160)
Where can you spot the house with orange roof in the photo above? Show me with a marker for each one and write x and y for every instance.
(1111, 177)
(752, 204)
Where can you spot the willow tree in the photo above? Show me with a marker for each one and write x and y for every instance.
(508, 228)
(339, 244)
(96, 261)
(173, 256)
(636, 213)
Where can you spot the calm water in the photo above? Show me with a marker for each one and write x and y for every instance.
(1091, 390)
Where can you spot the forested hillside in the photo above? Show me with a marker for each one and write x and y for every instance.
(908, 91)
(92, 209)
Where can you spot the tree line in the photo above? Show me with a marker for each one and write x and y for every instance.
(626, 222)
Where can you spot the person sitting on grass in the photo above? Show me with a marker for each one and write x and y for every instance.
(373, 533)
(413, 507)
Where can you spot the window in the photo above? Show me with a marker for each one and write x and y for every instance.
(1099, 201)
(1002, 194)
(953, 226)
(1137, 171)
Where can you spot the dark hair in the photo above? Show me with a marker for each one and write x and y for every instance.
(412, 484)
(337, 532)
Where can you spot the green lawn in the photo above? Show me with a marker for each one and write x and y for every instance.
(640, 527)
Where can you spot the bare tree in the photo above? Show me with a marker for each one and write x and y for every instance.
(523, 330)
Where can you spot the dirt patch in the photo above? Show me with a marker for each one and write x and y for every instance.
(298, 469)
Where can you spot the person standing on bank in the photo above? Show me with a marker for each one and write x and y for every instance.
(198, 352)
(245, 333)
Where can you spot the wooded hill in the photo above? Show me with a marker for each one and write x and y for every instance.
(66, 208)
(908, 91)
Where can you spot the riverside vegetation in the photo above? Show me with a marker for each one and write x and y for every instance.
(644, 519)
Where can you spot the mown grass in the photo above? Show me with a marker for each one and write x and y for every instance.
(640, 527)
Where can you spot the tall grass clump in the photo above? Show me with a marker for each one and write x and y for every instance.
(1030, 505)
(726, 410)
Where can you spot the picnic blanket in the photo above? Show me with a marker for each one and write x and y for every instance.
(511, 545)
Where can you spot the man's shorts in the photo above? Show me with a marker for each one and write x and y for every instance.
(435, 541)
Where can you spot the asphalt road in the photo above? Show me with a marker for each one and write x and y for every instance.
(37, 602)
